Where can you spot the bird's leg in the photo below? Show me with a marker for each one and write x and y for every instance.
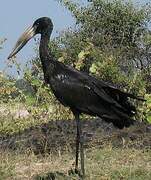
(79, 140)
(77, 150)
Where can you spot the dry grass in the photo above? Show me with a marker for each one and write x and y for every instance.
(35, 149)
(101, 164)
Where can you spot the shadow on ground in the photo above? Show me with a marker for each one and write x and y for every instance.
(52, 176)
(56, 176)
(57, 136)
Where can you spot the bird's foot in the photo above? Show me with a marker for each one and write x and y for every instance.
(75, 171)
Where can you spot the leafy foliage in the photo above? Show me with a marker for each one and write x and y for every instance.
(116, 30)
(111, 40)
(148, 108)
(7, 89)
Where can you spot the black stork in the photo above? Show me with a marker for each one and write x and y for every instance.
(79, 91)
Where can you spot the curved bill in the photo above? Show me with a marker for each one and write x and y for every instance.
(24, 38)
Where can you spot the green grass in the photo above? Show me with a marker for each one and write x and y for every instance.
(120, 164)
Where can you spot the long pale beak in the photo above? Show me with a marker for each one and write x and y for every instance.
(24, 38)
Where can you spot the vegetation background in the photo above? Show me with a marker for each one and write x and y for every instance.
(112, 41)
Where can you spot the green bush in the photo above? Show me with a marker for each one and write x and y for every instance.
(8, 91)
(111, 41)
(106, 43)
(148, 108)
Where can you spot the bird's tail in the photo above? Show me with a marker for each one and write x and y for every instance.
(123, 114)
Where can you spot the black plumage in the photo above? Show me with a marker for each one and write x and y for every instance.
(79, 91)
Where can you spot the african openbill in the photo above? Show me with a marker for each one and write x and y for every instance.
(79, 91)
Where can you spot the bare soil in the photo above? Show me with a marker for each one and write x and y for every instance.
(59, 136)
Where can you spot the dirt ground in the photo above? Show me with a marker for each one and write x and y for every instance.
(59, 136)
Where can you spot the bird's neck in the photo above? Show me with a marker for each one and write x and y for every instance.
(43, 48)
(46, 56)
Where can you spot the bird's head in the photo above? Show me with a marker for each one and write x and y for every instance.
(42, 26)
